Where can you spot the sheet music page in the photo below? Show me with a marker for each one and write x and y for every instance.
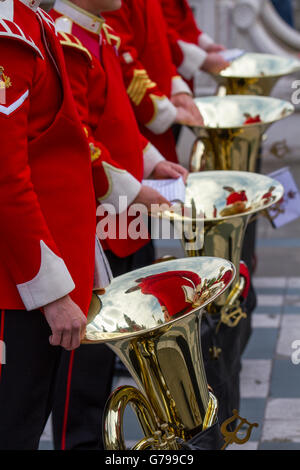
(232, 54)
(291, 199)
(171, 189)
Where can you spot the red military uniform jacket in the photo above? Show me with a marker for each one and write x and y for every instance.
(187, 42)
(95, 75)
(148, 70)
(47, 209)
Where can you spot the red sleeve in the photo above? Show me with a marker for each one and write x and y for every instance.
(143, 92)
(179, 16)
(110, 179)
(24, 233)
(183, 37)
(176, 51)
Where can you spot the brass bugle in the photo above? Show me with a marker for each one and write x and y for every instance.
(151, 319)
(255, 74)
(233, 131)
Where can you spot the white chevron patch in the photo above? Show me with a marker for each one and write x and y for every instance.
(7, 110)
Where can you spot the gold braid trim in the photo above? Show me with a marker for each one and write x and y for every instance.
(71, 41)
(139, 84)
(95, 152)
(111, 37)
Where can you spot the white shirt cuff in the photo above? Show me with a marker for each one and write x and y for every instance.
(164, 115)
(52, 282)
(180, 86)
(193, 59)
(205, 41)
(151, 158)
(121, 183)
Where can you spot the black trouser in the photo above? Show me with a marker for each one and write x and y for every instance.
(222, 373)
(91, 379)
(248, 256)
(27, 379)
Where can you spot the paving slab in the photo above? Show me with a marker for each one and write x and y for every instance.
(269, 309)
(289, 333)
(291, 309)
(285, 380)
(255, 375)
(269, 282)
(275, 445)
(265, 320)
(262, 344)
(292, 300)
(293, 283)
(281, 430)
(248, 446)
(283, 408)
(270, 300)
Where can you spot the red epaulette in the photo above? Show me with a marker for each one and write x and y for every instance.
(9, 29)
(69, 40)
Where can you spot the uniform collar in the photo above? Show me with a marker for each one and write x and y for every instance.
(32, 4)
(81, 17)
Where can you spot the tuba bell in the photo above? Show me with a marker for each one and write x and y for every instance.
(254, 74)
(151, 318)
(225, 202)
(233, 130)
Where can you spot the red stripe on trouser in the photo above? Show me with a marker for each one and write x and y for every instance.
(1, 339)
(67, 402)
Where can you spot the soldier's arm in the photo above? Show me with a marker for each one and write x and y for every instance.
(26, 245)
(180, 17)
(189, 44)
(187, 57)
(152, 107)
(110, 180)
(152, 156)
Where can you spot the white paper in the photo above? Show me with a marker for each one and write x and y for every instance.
(290, 205)
(172, 189)
(231, 54)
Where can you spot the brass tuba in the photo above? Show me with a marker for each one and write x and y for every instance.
(218, 207)
(222, 204)
(233, 131)
(254, 74)
(151, 318)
